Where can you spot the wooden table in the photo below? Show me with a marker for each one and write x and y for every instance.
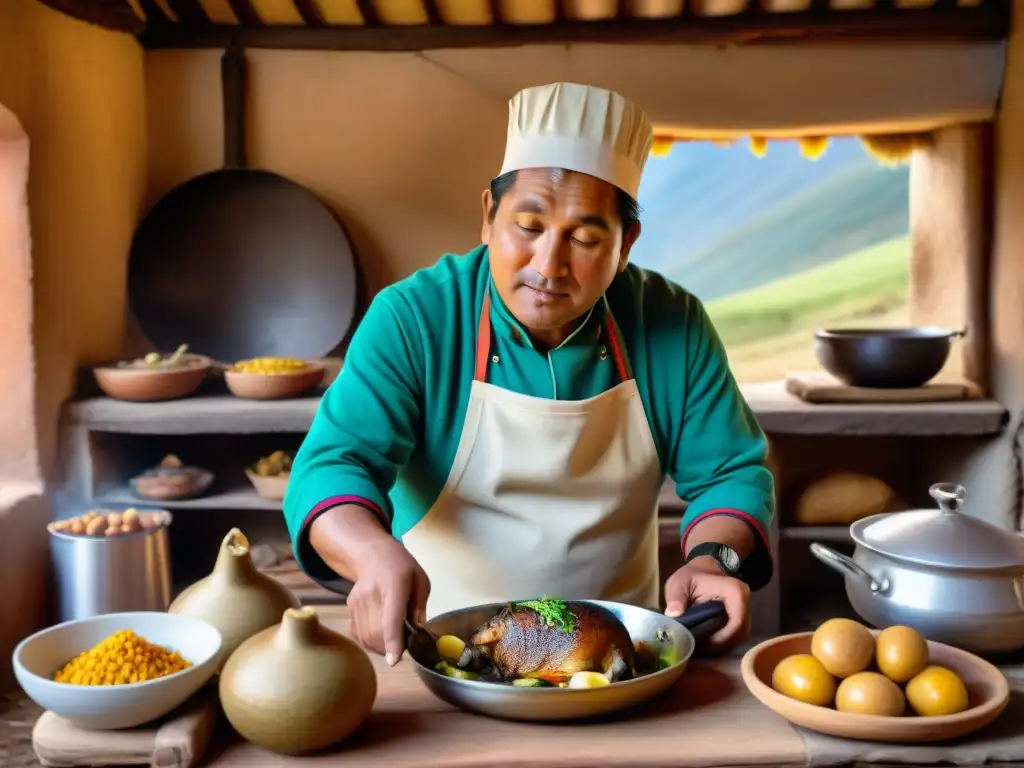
(707, 719)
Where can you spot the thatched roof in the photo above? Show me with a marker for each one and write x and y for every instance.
(432, 24)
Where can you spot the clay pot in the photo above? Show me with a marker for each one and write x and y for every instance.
(297, 688)
(272, 487)
(236, 598)
(153, 384)
(276, 386)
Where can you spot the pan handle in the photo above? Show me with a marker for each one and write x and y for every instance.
(233, 86)
(704, 619)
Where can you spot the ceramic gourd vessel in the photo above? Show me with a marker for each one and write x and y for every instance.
(236, 598)
(299, 687)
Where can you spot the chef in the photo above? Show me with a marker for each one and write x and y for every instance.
(505, 419)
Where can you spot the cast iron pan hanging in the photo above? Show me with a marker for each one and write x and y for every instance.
(240, 263)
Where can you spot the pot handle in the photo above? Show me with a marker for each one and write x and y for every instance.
(950, 496)
(847, 567)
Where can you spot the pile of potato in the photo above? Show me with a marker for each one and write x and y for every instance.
(108, 523)
(851, 670)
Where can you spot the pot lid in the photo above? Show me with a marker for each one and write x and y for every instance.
(943, 537)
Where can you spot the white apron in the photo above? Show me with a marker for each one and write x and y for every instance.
(545, 497)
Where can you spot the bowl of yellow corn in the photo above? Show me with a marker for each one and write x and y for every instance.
(118, 670)
(273, 378)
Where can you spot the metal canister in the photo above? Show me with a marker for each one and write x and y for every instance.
(111, 574)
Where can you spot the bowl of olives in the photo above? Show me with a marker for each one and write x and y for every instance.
(893, 685)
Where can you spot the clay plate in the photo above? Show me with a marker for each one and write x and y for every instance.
(148, 385)
(172, 485)
(986, 686)
(277, 386)
(271, 488)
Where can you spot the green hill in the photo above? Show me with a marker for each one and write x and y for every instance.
(867, 283)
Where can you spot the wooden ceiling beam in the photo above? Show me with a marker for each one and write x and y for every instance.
(989, 21)
(154, 13)
(245, 13)
(189, 13)
(497, 16)
(109, 14)
(368, 11)
(433, 12)
(310, 13)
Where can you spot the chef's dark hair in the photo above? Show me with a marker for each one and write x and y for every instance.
(628, 208)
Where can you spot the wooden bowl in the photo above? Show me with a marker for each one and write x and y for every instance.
(150, 385)
(274, 386)
(270, 488)
(987, 690)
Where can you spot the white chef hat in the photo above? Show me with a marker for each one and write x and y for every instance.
(578, 128)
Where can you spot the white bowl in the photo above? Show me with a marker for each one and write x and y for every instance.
(107, 707)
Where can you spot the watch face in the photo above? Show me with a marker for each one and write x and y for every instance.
(729, 559)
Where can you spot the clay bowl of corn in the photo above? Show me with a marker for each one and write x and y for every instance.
(273, 378)
(119, 670)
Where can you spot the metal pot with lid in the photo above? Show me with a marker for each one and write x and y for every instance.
(955, 578)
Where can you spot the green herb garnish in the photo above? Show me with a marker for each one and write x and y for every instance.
(554, 612)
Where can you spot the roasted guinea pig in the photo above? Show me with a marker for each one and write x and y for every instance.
(551, 640)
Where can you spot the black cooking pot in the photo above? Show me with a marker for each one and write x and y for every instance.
(884, 358)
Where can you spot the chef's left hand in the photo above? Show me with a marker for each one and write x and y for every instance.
(694, 583)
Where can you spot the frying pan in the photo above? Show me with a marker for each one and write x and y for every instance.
(241, 263)
(675, 638)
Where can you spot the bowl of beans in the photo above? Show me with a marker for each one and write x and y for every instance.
(119, 670)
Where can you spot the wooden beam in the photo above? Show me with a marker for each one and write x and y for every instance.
(989, 21)
(433, 12)
(189, 13)
(245, 13)
(154, 13)
(109, 14)
(369, 13)
(497, 17)
(310, 13)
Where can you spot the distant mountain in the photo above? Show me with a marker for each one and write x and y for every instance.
(720, 220)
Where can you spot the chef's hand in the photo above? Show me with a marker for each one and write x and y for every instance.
(697, 582)
(390, 585)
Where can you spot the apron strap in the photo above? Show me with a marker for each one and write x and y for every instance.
(483, 339)
(614, 341)
(483, 343)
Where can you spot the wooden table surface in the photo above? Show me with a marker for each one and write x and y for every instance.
(708, 718)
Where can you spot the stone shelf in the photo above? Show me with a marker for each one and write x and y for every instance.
(777, 411)
(209, 414)
(232, 498)
(780, 413)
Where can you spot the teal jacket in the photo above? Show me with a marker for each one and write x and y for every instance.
(387, 428)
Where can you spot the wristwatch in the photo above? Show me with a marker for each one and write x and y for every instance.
(723, 554)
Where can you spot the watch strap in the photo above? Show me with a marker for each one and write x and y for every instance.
(723, 554)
